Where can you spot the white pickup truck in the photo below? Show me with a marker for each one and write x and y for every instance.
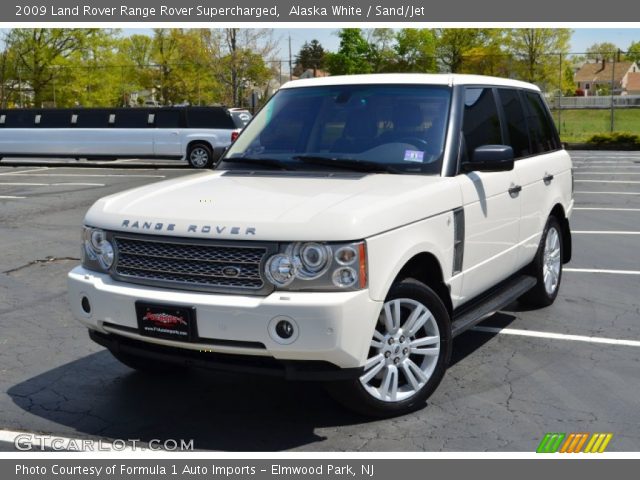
(353, 229)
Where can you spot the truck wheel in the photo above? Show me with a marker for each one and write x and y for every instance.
(409, 353)
(546, 267)
(200, 155)
(147, 365)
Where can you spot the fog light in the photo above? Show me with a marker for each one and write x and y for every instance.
(283, 330)
(86, 306)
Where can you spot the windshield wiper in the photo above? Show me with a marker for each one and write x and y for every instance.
(347, 163)
(266, 162)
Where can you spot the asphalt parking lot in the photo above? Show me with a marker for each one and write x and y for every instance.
(572, 367)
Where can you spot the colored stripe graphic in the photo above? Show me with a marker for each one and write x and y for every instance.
(574, 442)
(550, 443)
(598, 443)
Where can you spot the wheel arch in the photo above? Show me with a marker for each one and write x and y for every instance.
(426, 268)
(559, 213)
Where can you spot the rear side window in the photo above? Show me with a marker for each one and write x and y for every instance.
(541, 130)
(167, 118)
(241, 118)
(516, 122)
(19, 118)
(55, 119)
(132, 118)
(209, 118)
(92, 118)
(481, 124)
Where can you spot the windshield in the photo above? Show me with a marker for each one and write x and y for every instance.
(391, 128)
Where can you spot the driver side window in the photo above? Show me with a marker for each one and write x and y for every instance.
(481, 123)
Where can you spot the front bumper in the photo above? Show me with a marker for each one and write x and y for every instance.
(333, 328)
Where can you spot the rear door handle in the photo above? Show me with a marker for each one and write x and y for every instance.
(547, 178)
(515, 190)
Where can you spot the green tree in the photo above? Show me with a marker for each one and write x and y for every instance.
(383, 57)
(310, 56)
(37, 50)
(538, 53)
(353, 56)
(415, 50)
(242, 62)
(602, 51)
(453, 44)
(633, 52)
(488, 56)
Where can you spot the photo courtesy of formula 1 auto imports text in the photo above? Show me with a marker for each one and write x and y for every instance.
(320, 239)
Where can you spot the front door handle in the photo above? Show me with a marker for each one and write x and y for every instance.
(547, 178)
(515, 190)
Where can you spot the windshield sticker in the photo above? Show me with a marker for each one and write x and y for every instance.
(413, 156)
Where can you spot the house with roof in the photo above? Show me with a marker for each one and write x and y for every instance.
(609, 76)
(633, 83)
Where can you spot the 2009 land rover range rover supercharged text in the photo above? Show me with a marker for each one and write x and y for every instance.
(354, 228)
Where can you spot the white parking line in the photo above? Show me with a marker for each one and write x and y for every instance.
(29, 184)
(605, 232)
(10, 197)
(557, 336)
(607, 193)
(630, 182)
(607, 209)
(82, 175)
(39, 169)
(607, 173)
(598, 270)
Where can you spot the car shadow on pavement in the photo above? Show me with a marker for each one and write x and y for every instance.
(470, 341)
(97, 396)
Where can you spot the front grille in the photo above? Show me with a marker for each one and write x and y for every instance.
(183, 263)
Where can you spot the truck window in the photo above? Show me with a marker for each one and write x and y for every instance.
(541, 129)
(19, 118)
(209, 118)
(55, 119)
(167, 118)
(516, 122)
(92, 118)
(131, 118)
(481, 123)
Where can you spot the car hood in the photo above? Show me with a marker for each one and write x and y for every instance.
(276, 206)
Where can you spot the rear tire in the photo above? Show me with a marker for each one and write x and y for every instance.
(546, 267)
(409, 354)
(147, 365)
(200, 155)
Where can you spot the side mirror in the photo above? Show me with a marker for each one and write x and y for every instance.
(490, 158)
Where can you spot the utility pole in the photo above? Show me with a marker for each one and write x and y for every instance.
(613, 71)
(290, 62)
(560, 96)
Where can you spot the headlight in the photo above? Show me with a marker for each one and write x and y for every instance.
(318, 266)
(280, 270)
(98, 253)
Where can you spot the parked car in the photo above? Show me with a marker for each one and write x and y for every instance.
(197, 134)
(356, 226)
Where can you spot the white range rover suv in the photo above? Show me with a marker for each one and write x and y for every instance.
(355, 227)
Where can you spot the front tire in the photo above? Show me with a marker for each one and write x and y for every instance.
(200, 155)
(408, 356)
(546, 267)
